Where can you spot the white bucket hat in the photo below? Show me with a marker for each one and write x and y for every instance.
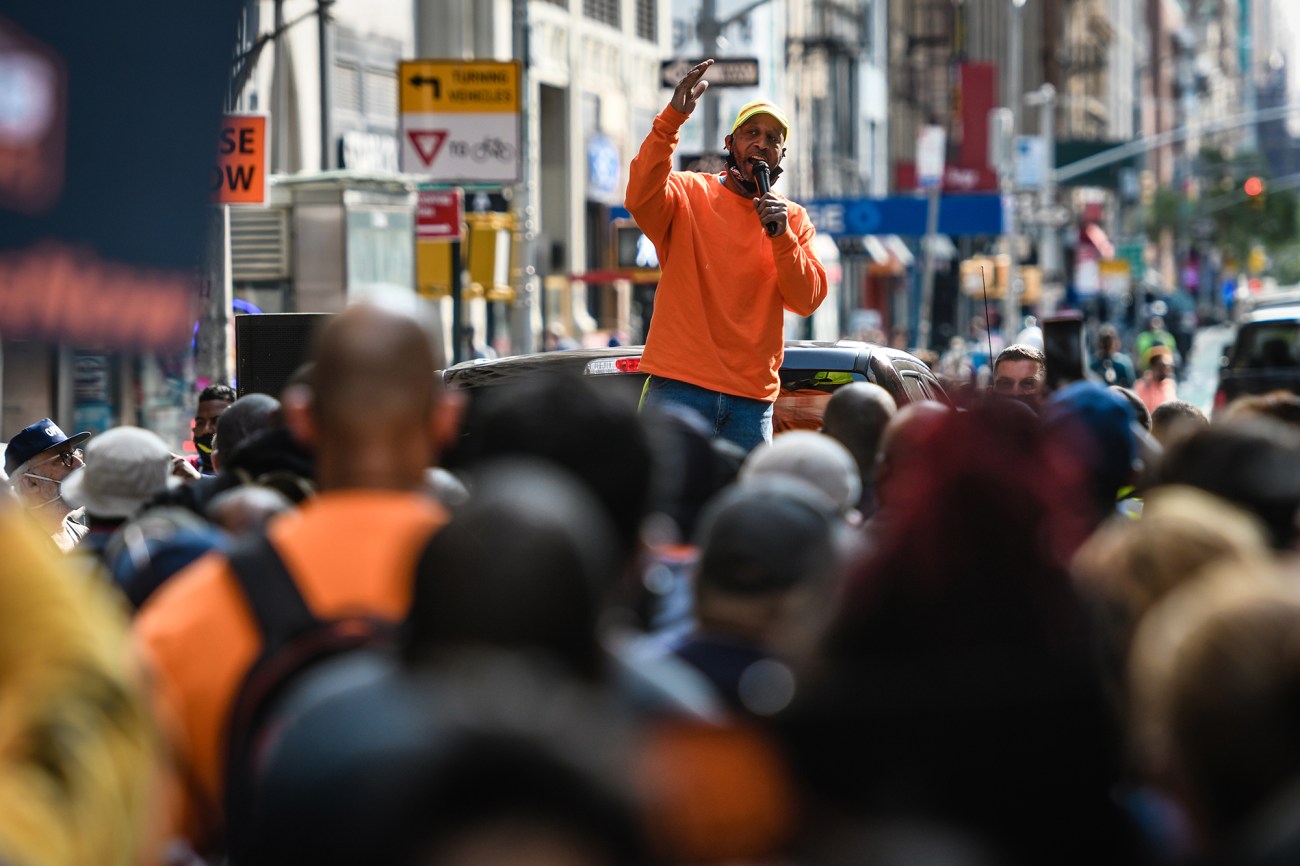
(124, 468)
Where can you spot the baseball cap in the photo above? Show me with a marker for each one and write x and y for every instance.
(761, 106)
(35, 439)
(1105, 420)
(124, 468)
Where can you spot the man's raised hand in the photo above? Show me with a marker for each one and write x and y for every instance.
(691, 88)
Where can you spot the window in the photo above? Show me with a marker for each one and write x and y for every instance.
(347, 87)
(647, 20)
(604, 11)
(381, 94)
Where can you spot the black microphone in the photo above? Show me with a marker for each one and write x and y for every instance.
(763, 179)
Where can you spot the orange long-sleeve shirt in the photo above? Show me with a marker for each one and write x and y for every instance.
(718, 319)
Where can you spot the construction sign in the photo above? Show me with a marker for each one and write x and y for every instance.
(240, 174)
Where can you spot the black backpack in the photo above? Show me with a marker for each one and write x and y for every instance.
(294, 640)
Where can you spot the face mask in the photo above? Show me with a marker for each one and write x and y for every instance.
(58, 486)
(204, 444)
(749, 187)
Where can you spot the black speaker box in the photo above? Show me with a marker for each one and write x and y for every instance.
(270, 347)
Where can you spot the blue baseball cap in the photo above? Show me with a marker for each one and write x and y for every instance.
(1104, 420)
(35, 439)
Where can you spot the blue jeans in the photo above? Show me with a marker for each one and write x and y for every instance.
(743, 420)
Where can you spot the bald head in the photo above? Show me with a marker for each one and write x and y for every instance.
(374, 398)
(372, 362)
(856, 416)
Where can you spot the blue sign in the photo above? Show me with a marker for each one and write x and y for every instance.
(975, 214)
(603, 166)
(959, 215)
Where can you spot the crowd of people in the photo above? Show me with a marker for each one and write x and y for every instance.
(387, 624)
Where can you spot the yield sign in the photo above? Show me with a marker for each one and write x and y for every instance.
(427, 143)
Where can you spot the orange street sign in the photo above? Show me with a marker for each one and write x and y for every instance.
(240, 174)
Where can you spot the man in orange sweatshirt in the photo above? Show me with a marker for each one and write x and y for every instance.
(733, 258)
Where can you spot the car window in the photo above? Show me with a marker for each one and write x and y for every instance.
(803, 397)
(1266, 344)
(915, 387)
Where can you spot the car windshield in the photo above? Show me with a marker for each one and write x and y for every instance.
(1266, 344)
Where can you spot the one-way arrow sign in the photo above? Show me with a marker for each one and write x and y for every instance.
(725, 71)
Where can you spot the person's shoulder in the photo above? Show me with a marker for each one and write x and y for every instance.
(183, 606)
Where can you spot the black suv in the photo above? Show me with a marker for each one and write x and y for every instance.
(1264, 356)
(810, 373)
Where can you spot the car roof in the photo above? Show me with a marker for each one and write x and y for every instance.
(1279, 313)
(799, 354)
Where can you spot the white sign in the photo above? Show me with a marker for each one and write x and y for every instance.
(460, 120)
(930, 144)
(1030, 161)
(449, 148)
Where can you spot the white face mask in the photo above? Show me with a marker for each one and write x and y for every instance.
(58, 486)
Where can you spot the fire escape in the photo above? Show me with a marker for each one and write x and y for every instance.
(922, 53)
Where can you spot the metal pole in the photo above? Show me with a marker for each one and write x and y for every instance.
(213, 363)
(710, 30)
(1049, 238)
(927, 276)
(522, 336)
(458, 353)
(326, 83)
(1011, 303)
(280, 99)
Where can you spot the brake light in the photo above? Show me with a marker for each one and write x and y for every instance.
(1220, 400)
(609, 366)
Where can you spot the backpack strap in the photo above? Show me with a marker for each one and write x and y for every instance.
(273, 597)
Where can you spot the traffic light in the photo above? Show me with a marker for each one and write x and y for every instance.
(1254, 189)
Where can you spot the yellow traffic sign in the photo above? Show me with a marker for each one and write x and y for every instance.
(460, 86)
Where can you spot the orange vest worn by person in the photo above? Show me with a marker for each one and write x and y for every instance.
(349, 551)
(718, 320)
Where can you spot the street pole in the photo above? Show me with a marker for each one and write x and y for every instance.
(927, 276)
(710, 29)
(522, 335)
(214, 337)
(326, 84)
(931, 144)
(1049, 238)
(1011, 303)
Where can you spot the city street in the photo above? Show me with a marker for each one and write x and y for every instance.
(1203, 372)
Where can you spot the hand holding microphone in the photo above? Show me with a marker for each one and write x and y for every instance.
(763, 180)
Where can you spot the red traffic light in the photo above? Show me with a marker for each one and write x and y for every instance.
(1253, 186)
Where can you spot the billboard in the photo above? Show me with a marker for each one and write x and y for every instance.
(109, 118)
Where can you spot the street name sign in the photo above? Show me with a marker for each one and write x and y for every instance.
(460, 120)
(725, 71)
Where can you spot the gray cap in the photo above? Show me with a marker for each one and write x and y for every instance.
(124, 468)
